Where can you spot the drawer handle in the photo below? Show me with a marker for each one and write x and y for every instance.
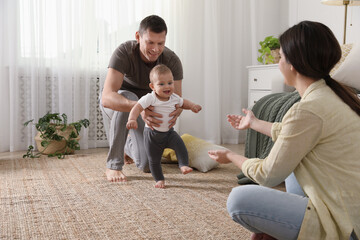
(255, 79)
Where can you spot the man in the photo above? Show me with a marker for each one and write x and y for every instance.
(126, 81)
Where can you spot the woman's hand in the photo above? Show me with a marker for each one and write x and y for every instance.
(151, 118)
(242, 122)
(220, 156)
(227, 156)
(175, 114)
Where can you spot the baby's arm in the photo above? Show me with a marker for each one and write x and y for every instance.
(134, 114)
(190, 105)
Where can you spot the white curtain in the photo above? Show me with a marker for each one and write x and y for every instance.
(54, 56)
(49, 65)
(216, 41)
(215, 53)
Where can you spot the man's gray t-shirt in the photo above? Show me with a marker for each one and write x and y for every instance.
(126, 59)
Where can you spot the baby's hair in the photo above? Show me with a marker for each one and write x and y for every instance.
(158, 70)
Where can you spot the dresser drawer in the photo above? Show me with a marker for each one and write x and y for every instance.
(254, 96)
(262, 79)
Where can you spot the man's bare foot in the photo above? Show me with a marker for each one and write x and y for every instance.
(186, 169)
(127, 159)
(261, 236)
(160, 184)
(115, 175)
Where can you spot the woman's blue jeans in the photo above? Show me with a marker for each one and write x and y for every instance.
(266, 210)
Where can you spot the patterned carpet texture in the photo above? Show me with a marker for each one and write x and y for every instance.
(50, 198)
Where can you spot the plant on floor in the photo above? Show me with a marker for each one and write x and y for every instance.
(269, 45)
(55, 136)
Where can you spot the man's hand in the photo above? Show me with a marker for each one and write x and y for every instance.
(175, 114)
(150, 117)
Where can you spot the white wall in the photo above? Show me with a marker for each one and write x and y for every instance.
(332, 16)
(267, 18)
(353, 24)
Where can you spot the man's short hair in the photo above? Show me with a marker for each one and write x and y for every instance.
(153, 23)
(159, 70)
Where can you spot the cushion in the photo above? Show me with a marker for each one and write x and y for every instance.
(348, 72)
(198, 153)
(345, 50)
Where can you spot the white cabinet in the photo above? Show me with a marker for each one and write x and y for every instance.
(264, 80)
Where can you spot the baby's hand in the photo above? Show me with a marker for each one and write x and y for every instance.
(196, 108)
(131, 124)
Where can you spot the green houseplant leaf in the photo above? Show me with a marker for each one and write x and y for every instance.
(54, 127)
(269, 43)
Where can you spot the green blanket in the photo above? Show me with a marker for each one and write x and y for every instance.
(271, 108)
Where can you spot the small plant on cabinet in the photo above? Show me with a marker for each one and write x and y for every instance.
(269, 49)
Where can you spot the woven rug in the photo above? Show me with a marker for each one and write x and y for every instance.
(50, 198)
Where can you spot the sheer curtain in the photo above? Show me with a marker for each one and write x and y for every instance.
(215, 53)
(49, 65)
(55, 53)
(216, 40)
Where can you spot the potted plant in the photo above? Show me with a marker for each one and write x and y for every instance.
(55, 136)
(269, 49)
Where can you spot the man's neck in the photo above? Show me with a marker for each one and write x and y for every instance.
(150, 64)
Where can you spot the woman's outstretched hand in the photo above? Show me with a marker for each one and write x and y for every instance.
(241, 122)
(219, 156)
(227, 156)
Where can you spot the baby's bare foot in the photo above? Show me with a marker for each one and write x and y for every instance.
(127, 159)
(160, 184)
(186, 169)
(115, 175)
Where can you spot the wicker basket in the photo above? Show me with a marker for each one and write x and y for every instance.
(56, 146)
(276, 55)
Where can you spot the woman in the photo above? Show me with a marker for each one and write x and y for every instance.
(315, 150)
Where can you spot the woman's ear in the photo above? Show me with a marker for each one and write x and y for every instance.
(292, 69)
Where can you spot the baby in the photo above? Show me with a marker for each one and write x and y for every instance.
(163, 99)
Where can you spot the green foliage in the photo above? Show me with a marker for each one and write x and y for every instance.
(47, 126)
(30, 153)
(269, 43)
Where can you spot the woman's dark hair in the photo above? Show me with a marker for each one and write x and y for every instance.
(312, 49)
(153, 23)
